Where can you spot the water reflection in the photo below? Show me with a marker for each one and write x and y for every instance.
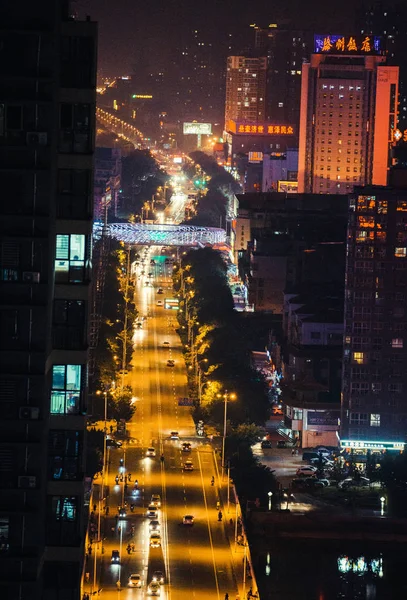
(331, 570)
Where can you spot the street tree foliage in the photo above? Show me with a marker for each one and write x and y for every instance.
(222, 352)
(141, 176)
(117, 300)
(393, 475)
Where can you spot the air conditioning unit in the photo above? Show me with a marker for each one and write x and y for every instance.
(27, 482)
(37, 138)
(30, 413)
(31, 276)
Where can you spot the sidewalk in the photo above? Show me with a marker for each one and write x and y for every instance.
(233, 526)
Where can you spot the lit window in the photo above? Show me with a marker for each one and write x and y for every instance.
(397, 343)
(70, 258)
(359, 357)
(374, 420)
(66, 389)
(402, 205)
(400, 252)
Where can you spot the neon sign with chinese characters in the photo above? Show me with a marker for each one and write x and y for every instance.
(347, 44)
(264, 128)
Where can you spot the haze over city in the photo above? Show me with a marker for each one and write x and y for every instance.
(203, 273)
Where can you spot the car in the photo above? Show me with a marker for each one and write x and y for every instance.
(123, 372)
(150, 451)
(156, 500)
(154, 526)
(306, 471)
(152, 262)
(152, 512)
(166, 343)
(266, 444)
(325, 482)
(115, 559)
(155, 540)
(325, 462)
(188, 466)
(352, 482)
(186, 446)
(150, 274)
(159, 302)
(311, 482)
(135, 580)
(114, 444)
(188, 520)
(174, 435)
(160, 291)
(154, 589)
(139, 325)
(170, 363)
(159, 576)
(283, 444)
(122, 512)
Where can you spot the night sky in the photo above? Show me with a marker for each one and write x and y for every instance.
(130, 29)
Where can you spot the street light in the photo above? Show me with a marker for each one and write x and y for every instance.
(226, 396)
(270, 495)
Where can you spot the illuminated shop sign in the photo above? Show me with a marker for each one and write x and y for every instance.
(397, 135)
(259, 128)
(362, 445)
(349, 44)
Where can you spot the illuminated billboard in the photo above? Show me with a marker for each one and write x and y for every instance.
(177, 160)
(347, 44)
(264, 128)
(197, 129)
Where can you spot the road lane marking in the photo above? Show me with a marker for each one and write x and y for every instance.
(209, 527)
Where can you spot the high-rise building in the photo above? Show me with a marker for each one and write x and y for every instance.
(286, 50)
(389, 21)
(246, 79)
(374, 407)
(348, 115)
(47, 126)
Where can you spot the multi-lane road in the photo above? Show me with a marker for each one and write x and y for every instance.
(197, 560)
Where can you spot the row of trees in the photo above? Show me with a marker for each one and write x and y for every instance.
(113, 352)
(215, 196)
(218, 359)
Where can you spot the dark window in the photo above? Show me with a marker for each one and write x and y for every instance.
(61, 580)
(69, 318)
(78, 62)
(64, 454)
(74, 187)
(14, 117)
(75, 122)
(62, 521)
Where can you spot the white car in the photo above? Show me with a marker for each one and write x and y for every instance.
(152, 512)
(150, 452)
(154, 589)
(188, 466)
(154, 526)
(306, 471)
(155, 540)
(135, 580)
(156, 500)
(159, 302)
(174, 435)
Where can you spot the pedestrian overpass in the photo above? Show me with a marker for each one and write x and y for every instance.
(141, 234)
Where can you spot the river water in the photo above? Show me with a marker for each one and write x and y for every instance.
(326, 570)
